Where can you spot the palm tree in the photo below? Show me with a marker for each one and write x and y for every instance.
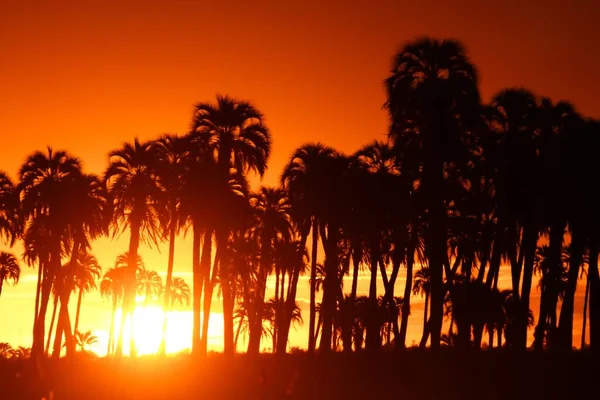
(10, 221)
(434, 84)
(149, 285)
(172, 158)
(180, 293)
(21, 352)
(138, 204)
(273, 223)
(9, 269)
(303, 178)
(422, 287)
(112, 287)
(85, 339)
(235, 133)
(6, 350)
(87, 272)
(43, 180)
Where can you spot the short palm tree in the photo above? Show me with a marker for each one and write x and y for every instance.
(87, 272)
(149, 285)
(6, 350)
(422, 286)
(9, 269)
(180, 293)
(85, 340)
(112, 287)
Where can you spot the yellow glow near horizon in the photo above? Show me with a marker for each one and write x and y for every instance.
(148, 325)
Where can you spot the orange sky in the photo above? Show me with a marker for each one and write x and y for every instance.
(87, 76)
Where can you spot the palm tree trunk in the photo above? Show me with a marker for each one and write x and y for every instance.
(529, 244)
(198, 279)
(565, 324)
(111, 335)
(585, 306)
(209, 279)
(373, 340)
(425, 312)
(356, 266)
(48, 278)
(169, 283)
(330, 284)
(313, 283)
(410, 259)
(290, 301)
(226, 278)
(79, 300)
(594, 296)
(128, 306)
(51, 325)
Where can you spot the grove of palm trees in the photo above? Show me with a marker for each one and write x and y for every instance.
(458, 193)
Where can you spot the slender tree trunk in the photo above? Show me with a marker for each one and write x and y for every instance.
(425, 312)
(51, 324)
(565, 324)
(198, 279)
(290, 301)
(77, 313)
(328, 305)
(594, 296)
(226, 278)
(48, 278)
(169, 282)
(373, 340)
(313, 283)
(38, 292)
(209, 279)
(530, 243)
(356, 267)
(111, 334)
(410, 259)
(585, 306)
(128, 306)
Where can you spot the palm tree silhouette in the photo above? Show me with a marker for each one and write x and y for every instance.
(271, 207)
(172, 158)
(87, 272)
(234, 132)
(433, 83)
(303, 178)
(422, 287)
(43, 179)
(9, 269)
(85, 339)
(138, 204)
(112, 287)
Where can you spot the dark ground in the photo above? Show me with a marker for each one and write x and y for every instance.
(409, 375)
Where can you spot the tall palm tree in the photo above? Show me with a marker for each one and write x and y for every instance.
(433, 83)
(87, 272)
(172, 158)
(273, 223)
(112, 287)
(235, 133)
(10, 221)
(43, 180)
(303, 178)
(138, 204)
(9, 269)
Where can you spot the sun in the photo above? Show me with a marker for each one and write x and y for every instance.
(148, 326)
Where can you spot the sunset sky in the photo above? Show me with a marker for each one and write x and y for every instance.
(86, 76)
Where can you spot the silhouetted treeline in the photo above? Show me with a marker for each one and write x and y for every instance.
(458, 189)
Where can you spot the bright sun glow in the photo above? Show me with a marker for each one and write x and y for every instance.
(148, 325)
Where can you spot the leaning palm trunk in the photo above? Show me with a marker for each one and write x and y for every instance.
(65, 288)
(256, 318)
(111, 334)
(594, 296)
(38, 292)
(313, 285)
(530, 243)
(198, 283)
(37, 347)
(169, 283)
(585, 307)
(330, 285)
(78, 312)
(51, 324)
(373, 340)
(209, 282)
(565, 324)
(226, 280)
(410, 259)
